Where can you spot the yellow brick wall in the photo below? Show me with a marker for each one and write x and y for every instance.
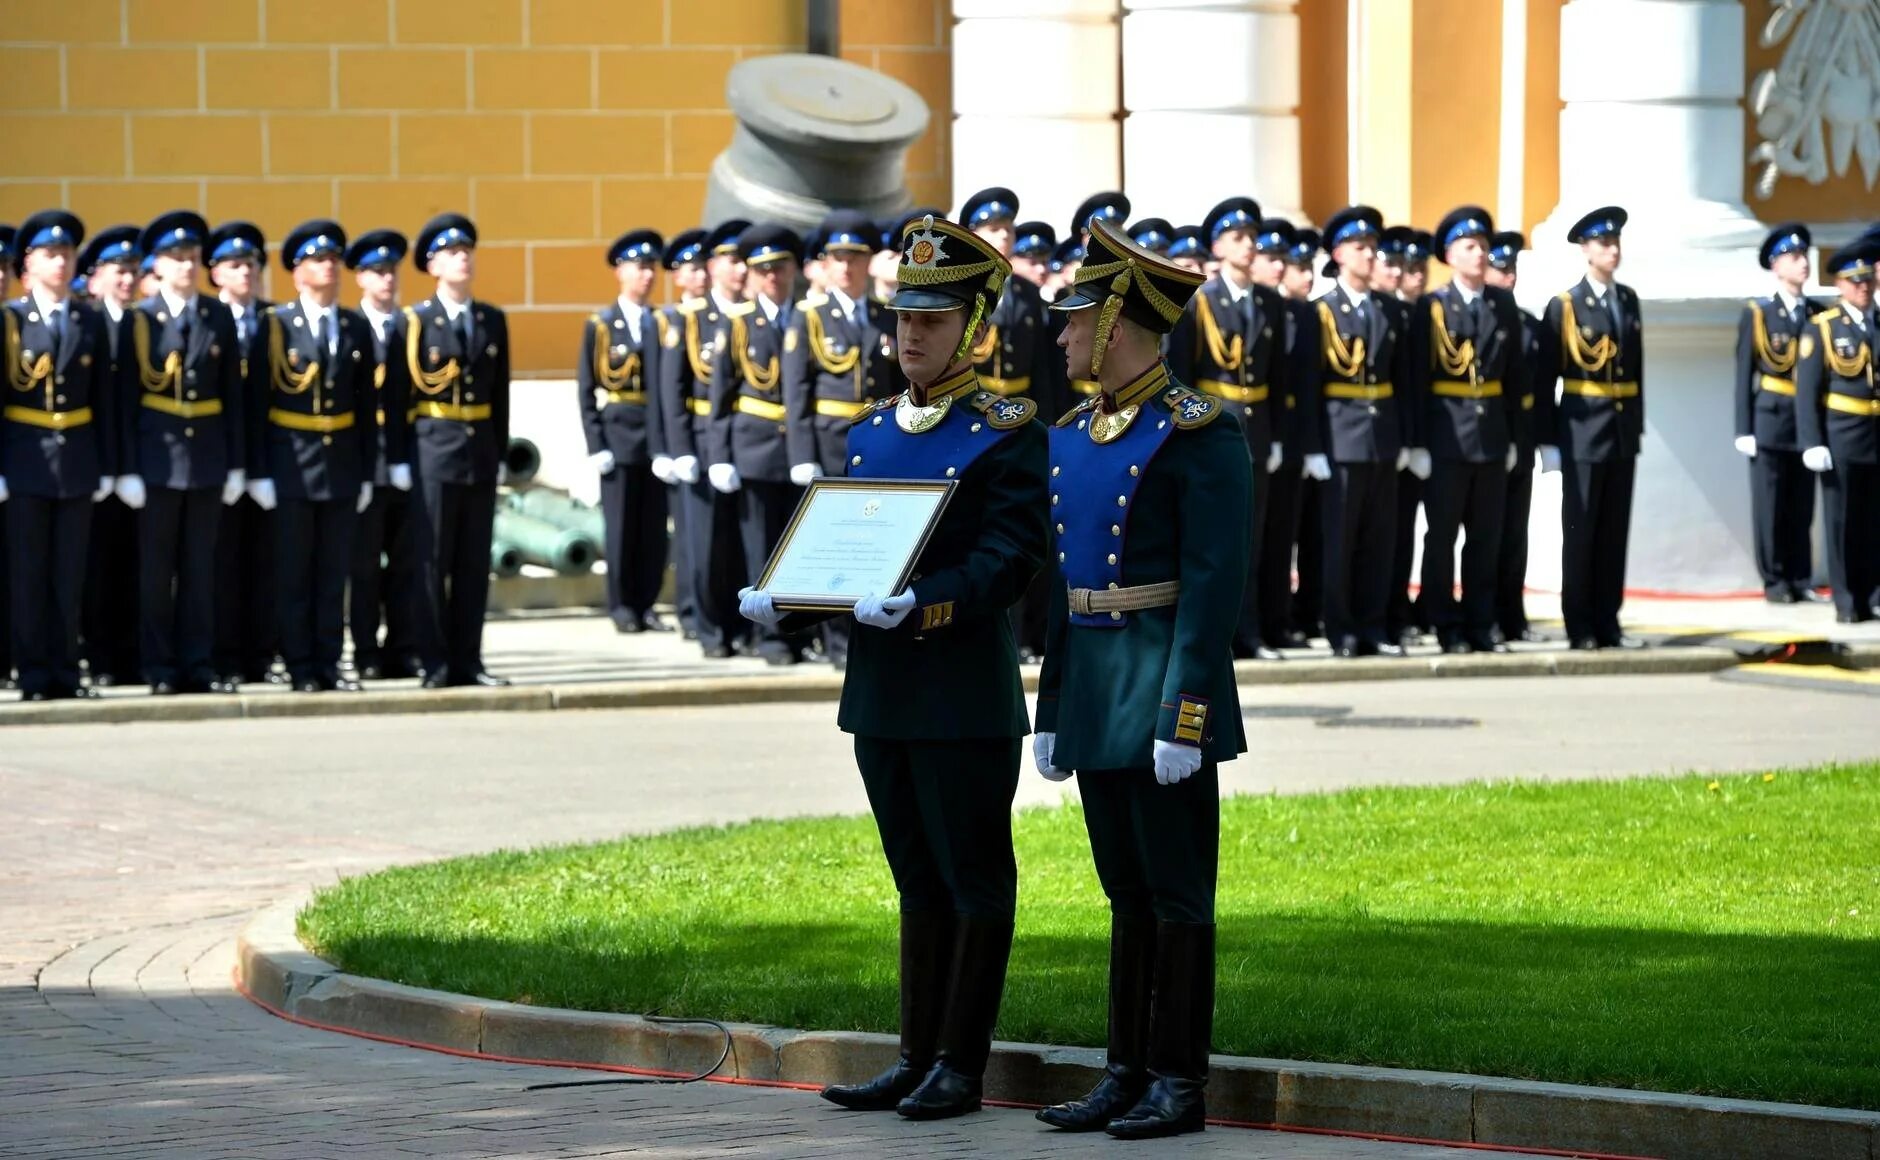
(556, 124)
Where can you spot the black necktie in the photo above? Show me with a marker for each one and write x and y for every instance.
(57, 318)
(182, 329)
(319, 342)
(468, 336)
(1618, 315)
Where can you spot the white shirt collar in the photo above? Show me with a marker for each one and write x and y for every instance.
(770, 309)
(452, 310)
(1235, 293)
(844, 303)
(377, 319)
(1467, 295)
(1789, 301)
(46, 305)
(721, 302)
(112, 310)
(1599, 288)
(235, 307)
(1355, 297)
(177, 306)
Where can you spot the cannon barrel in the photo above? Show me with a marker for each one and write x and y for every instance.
(567, 551)
(559, 509)
(505, 558)
(523, 459)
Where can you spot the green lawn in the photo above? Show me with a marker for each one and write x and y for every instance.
(1682, 934)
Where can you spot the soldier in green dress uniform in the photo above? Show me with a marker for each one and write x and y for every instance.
(1151, 500)
(932, 695)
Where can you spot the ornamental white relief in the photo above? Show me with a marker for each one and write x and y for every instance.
(1818, 110)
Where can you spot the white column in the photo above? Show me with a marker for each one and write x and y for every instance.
(1212, 90)
(1512, 188)
(1654, 122)
(1035, 102)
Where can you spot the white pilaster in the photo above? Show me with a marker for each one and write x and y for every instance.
(1035, 102)
(1212, 90)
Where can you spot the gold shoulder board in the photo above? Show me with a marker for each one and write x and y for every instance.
(1004, 414)
(1070, 416)
(877, 407)
(1190, 408)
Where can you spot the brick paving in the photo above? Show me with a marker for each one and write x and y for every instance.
(131, 856)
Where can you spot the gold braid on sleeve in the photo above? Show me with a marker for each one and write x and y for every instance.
(1846, 366)
(819, 346)
(287, 380)
(764, 379)
(1345, 359)
(430, 382)
(22, 374)
(701, 370)
(1781, 363)
(606, 375)
(1225, 353)
(1454, 360)
(1593, 357)
(171, 374)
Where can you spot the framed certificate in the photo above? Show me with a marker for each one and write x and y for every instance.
(853, 537)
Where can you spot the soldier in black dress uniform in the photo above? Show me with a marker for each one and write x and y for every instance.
(1782, 491)
(684, 258)
(1467, 370)
(246, 619)
(1188, 249)
(941, 766)
(749, 448)
(1306, 610)
(838, 360)
(1837, 409)
(188, 438)
(714, 555)
(1599, 424)
(1395, 267)
(319, 449)
(614, 376)
(457, 355)
(1504, 256)
(1368, 432)
(6, 597)
(385, 574)
(1032, 243)
(56, 452)
(109, 263)
(1231, 344)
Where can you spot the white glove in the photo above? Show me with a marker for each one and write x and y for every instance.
(756, 606)
(1275, 457)
(876, 612)
(1174, 762)
(400, 475)
(802, 473)
(1318, 467)
(1746, 445)
(1043, 748)
(365, 498)
(130, 489)
(233, 487)
(1514, 454)
(1818, 459)
(1420, 462)
(724, 477)
(262, 492)
(105, 484)
(1550, 458)
(1403, 458)
(4, 493)
(602, 462)
(662, 468)
(685, 467)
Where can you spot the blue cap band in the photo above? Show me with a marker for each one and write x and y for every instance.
(1463, 229)
(178, 238)
(1030, 243)
(150, 263)
(640, 252)
(768, 250)
(116, 252)
(1184, 247)
(1789, 245)
(50, 236)
(450, 237)
(321, 244)
(851, 239)
(691, 253)
(1356, 228)
(232, 248)
(1150, 239)
(993, 211)
(383, 256)
(1239, 219)
(1106, 212)
(1600, 229)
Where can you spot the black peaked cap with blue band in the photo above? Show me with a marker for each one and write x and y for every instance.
(116, 245)
(690, 246)
(1504, 249)
(440, 233)
(1607, 221)
(233, 241)
(643, 246)
(1034, 240)
(1465, 221)
(1787, 238)
(997, 204)
(176, 230)
(1110, 206)
(376, 248)
(49, 227)
(312, 239)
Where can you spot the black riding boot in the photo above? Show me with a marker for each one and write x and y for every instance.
(952, 1088)
(1132, 974)
(1179, 1028)
(926, 956)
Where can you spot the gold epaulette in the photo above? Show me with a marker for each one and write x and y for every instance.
(1190, 408)
(876, 407)
(1001, 413)
(811, 301)
(740, 309)
(1781, 363)
(1070, 416)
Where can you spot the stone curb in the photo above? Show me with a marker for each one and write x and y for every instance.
(822, 685)
(279, 972)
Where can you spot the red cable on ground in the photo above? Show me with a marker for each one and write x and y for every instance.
(241, 988)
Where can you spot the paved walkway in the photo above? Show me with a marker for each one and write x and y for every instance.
(133, 854)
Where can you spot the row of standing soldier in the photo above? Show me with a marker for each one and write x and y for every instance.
(242, 460)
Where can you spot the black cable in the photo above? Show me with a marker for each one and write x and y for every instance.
(653, 1079)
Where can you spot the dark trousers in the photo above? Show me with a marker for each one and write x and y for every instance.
(764, 510)
(46, 541)
(6, 605)
(1156, 847)
(246, 621)
(1471, 499)
(1247, 631)
(1031, 616)
(1308, 602)
(313, 555)
(678, 552)
(454, 522)
(1851, 499)
(1596, 520)
(1782, 506)
(385, 580)
(1275, 571)
(1359, 505)
(716, 562)
(633, 510)
(1511, 573)
(109, 619)
(1401, 614)
(176, 563)
(944, 811)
